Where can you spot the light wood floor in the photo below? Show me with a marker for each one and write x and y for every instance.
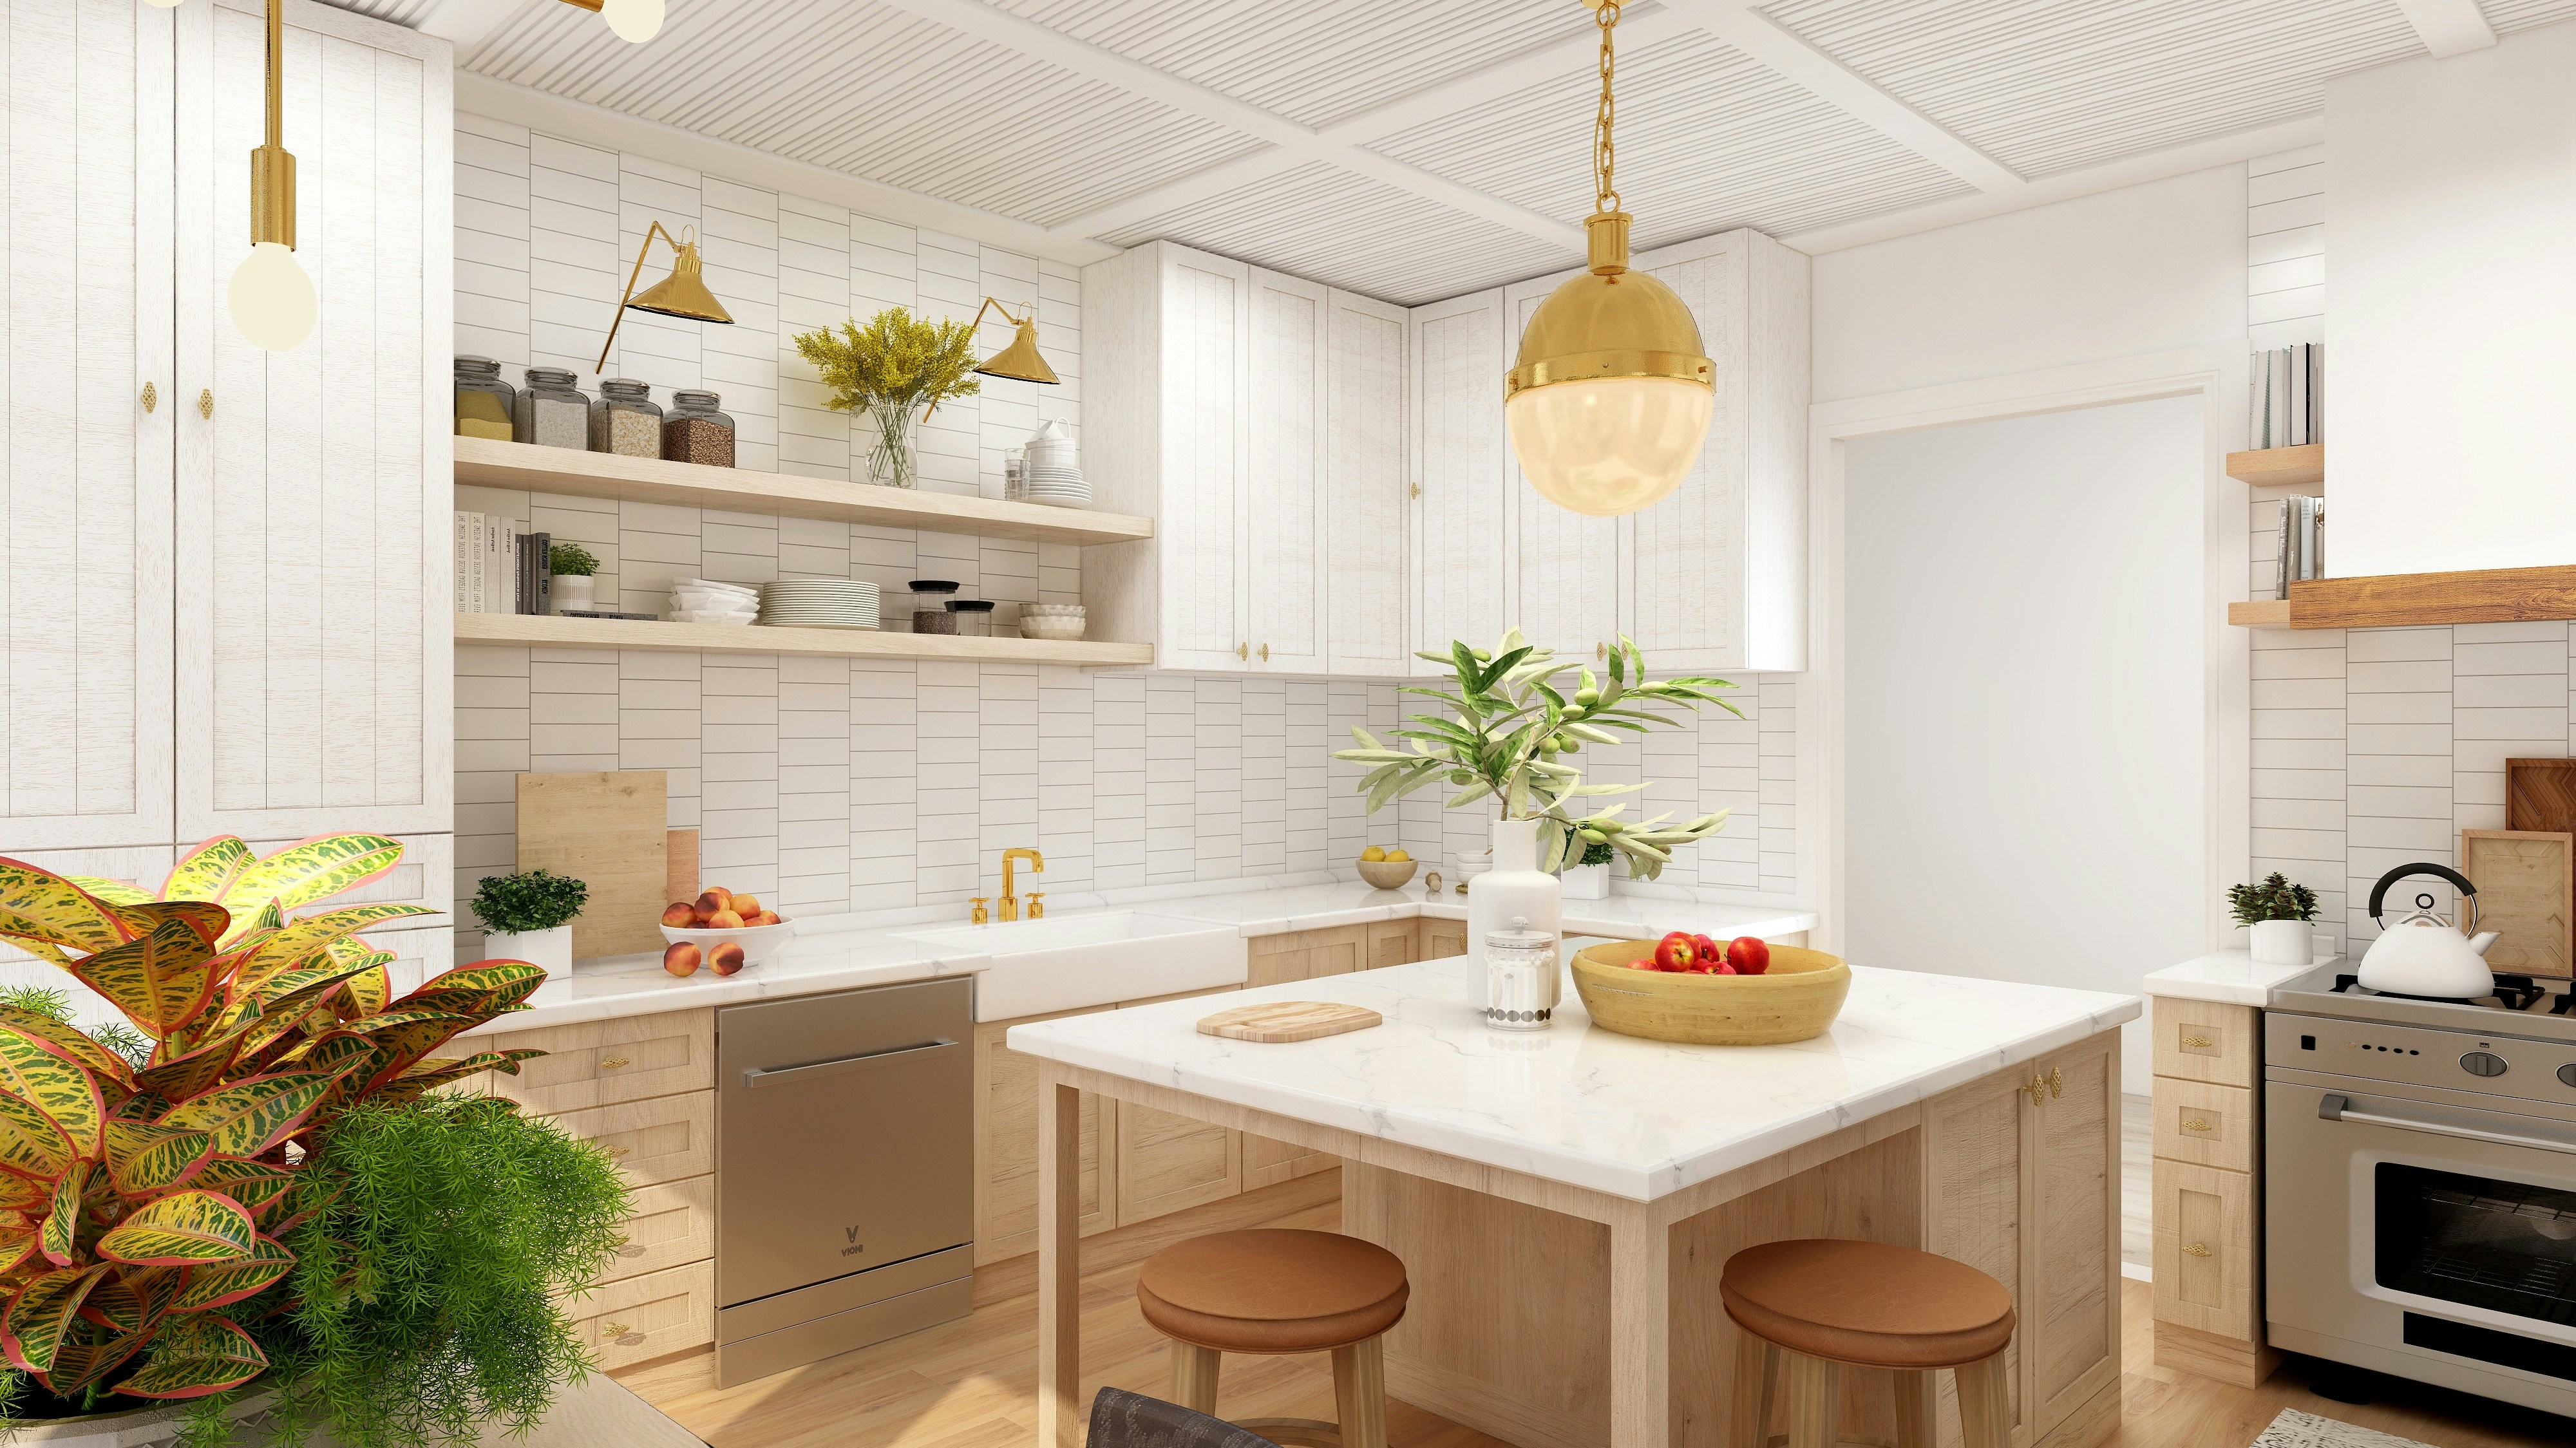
(973, 1382)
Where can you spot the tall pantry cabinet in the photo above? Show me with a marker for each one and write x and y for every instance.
(224, 605)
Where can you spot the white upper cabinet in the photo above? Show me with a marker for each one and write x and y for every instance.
(314, 668)
(1285, 538)
(1558, 578)
(85, 603)
(1366, 507)
(1458, 563)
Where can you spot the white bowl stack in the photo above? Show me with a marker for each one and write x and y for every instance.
(1060, 621)
(819, 603)
(1051, 472)
(704, 600)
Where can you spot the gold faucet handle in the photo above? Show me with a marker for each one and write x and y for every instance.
(981, 916)
(1037, 904)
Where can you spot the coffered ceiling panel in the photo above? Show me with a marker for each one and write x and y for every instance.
(1328, 225)
(1707, 140)
(870, 91)
(2054, 85)
(2508, 16)
(1316, 62)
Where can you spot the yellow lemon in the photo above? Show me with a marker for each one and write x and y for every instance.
(1372, 854)
(1397, 857)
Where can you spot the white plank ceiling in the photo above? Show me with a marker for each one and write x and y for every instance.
(1413, 151)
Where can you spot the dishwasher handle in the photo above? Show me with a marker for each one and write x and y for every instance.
(2335, 1107)
(866, 1061)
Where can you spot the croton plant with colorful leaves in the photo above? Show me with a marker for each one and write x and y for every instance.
(138, 1203)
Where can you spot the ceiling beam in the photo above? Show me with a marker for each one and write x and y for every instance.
(2448, 27)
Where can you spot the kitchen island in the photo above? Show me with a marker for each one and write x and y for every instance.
(1564, 1200)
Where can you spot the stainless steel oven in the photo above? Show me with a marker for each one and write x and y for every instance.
(2421, 1218)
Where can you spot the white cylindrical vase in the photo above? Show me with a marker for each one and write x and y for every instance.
(1516, 886)
(2283, 942)
(551, 949)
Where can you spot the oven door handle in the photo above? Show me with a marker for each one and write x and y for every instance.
(2339, 1108)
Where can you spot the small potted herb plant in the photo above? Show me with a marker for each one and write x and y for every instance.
(2280, 914)
(573, 567)
(528, 916)
(1589, 878)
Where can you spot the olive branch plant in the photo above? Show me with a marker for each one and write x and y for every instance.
(1513, 724)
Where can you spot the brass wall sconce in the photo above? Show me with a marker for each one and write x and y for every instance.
(681, 294)
(1020, 360)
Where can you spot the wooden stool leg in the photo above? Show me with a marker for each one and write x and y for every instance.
(1911, 1425)
(1815, 1402)
(1194, 1371)
(1757, 1367)
(1985, 1403)
(1359, 1393)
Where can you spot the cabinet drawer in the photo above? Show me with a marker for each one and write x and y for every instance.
(661, 1140)
(2206, 1268)
(599, 1063)
(649, 1316)
(674, 1224)
(2206, 1125)
(2208, 1041)
(1393, 942)
(1442, 939)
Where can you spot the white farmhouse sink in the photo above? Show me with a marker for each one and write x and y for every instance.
(1066, 962)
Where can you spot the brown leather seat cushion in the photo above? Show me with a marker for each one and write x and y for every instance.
(1867, 1303)
(1272, 1290)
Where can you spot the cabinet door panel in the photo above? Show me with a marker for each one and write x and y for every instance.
(2205, 1263)
(1206, 391)
(1284, 543)
(1699, 531)
(1458, 441)
(1168, 1162)
(1564, 564)
(1006, 1150)
(1365, 508)
(85, 595)
(2070, 1312)
(1974, 1152)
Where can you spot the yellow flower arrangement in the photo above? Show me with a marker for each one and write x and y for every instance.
(896, 358)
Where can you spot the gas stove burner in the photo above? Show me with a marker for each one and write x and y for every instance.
(2513, 992)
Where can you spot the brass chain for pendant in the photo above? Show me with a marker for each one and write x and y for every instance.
(1606, 196)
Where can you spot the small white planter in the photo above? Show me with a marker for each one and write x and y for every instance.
(2283, 942)
(1587, 882)
(572, 591)
(549, 948)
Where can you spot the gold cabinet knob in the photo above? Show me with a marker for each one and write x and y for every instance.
(2197, 1043)
(616, 1152)
(2037, 1088)
(1417, 490)
(151, 397)
(611, 1063)
(1265, 653)
(2195, 1123)
(2056, 1082)
(206, 403)
(2197, 1250)
(612, 1329)
(1243, 651)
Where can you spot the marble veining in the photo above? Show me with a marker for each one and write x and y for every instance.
(1576, 1104)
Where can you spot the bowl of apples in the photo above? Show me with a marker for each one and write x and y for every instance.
(1385, 869)
(722, 931)
(1693, 989)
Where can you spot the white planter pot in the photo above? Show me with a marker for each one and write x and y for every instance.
(2283, 942)
(549, 948)
(1587, 882)
(572, 591)
(1515, 888)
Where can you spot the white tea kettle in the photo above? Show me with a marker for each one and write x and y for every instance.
(2424, 954)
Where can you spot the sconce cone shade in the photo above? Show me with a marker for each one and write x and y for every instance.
(683, 293)
(1020, 360)
(1610, 397)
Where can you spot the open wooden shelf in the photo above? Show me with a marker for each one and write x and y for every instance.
(718, 638)
(2413, 600)
(2280, 467)
(485, 462)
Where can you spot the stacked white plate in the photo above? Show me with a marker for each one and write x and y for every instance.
(704, 600)
(1050, 470)
(819, 603)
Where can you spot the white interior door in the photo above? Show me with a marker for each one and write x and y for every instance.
(1459, 562)
(1365, 508)
(1565, 566)
(1284, 550)
(85, 600)
(1207, 325)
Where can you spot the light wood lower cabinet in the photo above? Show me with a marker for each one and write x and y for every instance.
(661, 1140)
(2205, 1259)
(1442, 939)
(654, 1315)
(600, 1063)
(673, 1225)
(1006, 1148)
(1168, 1162)
(2208, 1194)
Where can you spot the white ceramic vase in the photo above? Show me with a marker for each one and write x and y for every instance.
(1587, 882)
(2283, 942)
(551, 949)
(572, 592)
(1516, 886)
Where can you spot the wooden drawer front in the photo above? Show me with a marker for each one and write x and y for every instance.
(2206, 1125)
(661, 1140)
(2205, 1263)
(649, 1316)
(599, 1063)
(1393, 942)
(1168, 1162)
(1268, 1163)
(2206, 1041)
(1442, 939)
(674, 1224)
(1305, 954)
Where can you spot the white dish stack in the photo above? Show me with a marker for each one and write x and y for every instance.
(704, 600)
(819, 603)
(1060, 621)
(1050, 472)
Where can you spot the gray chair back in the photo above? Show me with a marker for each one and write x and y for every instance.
(1121, 1419)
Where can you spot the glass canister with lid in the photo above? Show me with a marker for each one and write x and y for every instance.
(552, 411)
(693, 431)
(974, 616)
(930, 613)
(483, 400)
(1521, 977)
(625, 420)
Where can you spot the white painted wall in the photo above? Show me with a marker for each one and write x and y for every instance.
(2452, 207)
(2023, 698)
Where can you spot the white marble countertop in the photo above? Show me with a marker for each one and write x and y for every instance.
(2225, 975)
(1259, 911)
(1630, 1117)
(636, 985)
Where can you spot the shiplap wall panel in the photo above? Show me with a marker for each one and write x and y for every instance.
(1288, 582)
(85, 473)
(1367, 507)
(1458, 592)
(1561, 560)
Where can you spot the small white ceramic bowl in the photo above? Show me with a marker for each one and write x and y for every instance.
(758, 942)
(1059, 630)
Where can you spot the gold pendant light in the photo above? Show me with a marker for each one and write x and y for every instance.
(682, 294)
(1610, 397)
(271, 299)
(1020, 360)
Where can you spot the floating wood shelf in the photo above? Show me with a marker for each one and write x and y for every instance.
(717, 638)
(2412, 600)
(485, 462)
(2280, 467)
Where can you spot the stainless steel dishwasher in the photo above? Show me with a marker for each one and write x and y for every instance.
(845, 1198)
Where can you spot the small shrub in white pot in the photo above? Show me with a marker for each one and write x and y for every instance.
(528, 916)
(2280, 914)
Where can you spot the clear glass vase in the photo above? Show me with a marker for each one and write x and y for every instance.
(892, 461)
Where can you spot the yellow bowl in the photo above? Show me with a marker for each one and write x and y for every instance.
(1386, 874)
(1795, 1000)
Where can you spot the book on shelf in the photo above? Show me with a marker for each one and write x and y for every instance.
(2302, 552)
(500, 567)
(2287, 407)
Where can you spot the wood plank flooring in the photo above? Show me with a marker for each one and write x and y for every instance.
(973, 1383)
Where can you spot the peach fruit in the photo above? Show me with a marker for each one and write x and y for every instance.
(681, 958)
(746, 906)
(725, 959)
(765, 917)
(679, 915)
(713, 901)
(724, 920)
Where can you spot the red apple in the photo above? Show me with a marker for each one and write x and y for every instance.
(1675, 953)
(725, 959)
(1748, 954)
(681, 958)
(679, 915)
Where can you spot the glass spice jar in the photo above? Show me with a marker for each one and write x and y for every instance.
(930, 613)
(624, 420)
(482, 399)
(694, 432)
(552, 412)
(974, 617)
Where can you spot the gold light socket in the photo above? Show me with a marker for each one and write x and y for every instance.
(272, 196)
(1605, 242)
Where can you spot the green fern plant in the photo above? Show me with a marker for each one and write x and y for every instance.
(2275, 899)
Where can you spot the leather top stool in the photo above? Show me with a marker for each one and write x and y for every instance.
(1822, 1303)
(1273, 1290)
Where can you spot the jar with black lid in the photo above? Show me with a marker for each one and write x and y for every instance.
(974, 616)
(930, 612)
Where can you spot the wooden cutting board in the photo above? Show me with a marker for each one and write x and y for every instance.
(2525, 879)
(2540, 794)
(610, 830)
(1289, 1021)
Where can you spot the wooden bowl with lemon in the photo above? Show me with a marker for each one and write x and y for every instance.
(1795, 999)
(1386, 869)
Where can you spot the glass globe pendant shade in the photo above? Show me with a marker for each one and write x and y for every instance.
(635, 21)
(1612, 445)
(272, 299)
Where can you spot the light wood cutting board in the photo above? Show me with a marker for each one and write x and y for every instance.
(2524, 879)
(1289, 1021)
(2540, 794)
(609, 829)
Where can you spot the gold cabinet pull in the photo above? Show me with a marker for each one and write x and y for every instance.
(2056, 1082)
(2197, 1043)
(1417, 490)
(611, 1063)
(1243, 651)
(1265, 653)
(2195, 1123)
(2038, 1088)
(151, 397)
(2196, 1250)
(612, 1329)
(206, 403)
(615, 1152)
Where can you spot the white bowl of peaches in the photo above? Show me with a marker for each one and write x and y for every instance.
(722, 931)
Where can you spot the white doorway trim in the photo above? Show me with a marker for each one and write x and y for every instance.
(2216, 373)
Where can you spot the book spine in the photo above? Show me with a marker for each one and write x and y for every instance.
(544, 571)
(457, 600)
(2282, 556)
(491, 589)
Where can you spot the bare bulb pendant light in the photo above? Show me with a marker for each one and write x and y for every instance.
(1609, 400)
(271, 298)
(635, 21)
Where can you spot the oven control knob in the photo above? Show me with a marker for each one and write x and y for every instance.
(2482, 1063)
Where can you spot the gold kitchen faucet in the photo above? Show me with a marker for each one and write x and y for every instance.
(1008, 907)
